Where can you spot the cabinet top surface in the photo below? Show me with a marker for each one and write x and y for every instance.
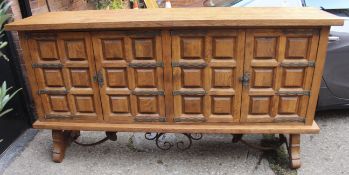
(176, 17)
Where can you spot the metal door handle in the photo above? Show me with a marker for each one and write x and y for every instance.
(245, 79)
(98, 78)
(333, 38)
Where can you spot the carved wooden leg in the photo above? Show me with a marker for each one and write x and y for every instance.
(61, 140)
(59, 145)
(294, 151)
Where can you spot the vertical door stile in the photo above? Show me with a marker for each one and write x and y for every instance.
(168, 83)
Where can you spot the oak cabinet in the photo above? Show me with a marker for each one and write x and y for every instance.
(213, 70)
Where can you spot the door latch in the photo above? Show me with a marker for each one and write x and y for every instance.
(245, 79)
(99, 78)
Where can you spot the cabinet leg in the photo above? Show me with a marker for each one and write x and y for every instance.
(61, 140)
(294, 151)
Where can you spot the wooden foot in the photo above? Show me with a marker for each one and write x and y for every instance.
(294, 151)
(61, 140)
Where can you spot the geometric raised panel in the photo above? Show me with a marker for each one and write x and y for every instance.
(263, 77)
(53, 77)
(288, 104)
(84, 103)
(260, 105)
(58, 103)
(192, 48)
(222, 78)
(146, 78)
(297, 48)
(222, 105)
(116, 77)
(48, 50)
(192, 78)
(293, 77)
(143, 48)
(265, 47)
(80, 77)
(223, 48)
(120, 104)
(147, 104)
(192, 105)
(113, 49)
(75, 49)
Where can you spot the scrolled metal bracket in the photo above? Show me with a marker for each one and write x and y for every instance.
(166, 145)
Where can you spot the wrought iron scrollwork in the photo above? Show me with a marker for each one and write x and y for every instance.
(166, 145)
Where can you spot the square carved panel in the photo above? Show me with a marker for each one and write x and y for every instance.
(293, 77)
(53, 77)
(224, 48)
(120, 104)
(221, 105)
(265, 47)
(75, 49)
(263, 77)
(80, 77)
(297, 48)
(192, 78)
(288, 104)
(223, 78)
(147, 104)
(84, 103)
(260, 105)
(58, 103)
(113, 49)
(192, 47)
(116, 77)
(192, 105)
(48, 50)
(146, 78)
(143, 48)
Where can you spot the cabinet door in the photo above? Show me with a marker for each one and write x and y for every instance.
(64, 69)
(206, 70)
(280, 65)
(132, 69)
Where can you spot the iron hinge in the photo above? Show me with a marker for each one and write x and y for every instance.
(44, 65)
(305, 93)
(181, 92)
(146, 65)
(298, 64)
(53, 92)
(189, 65)
(161, 93)
(150, 119)
(189, 119)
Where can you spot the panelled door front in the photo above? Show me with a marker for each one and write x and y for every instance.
(130, 65)
(278, 70)
(206, 70)
(64, 69)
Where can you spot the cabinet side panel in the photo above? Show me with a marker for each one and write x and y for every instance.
(320, 62)
(31, 76)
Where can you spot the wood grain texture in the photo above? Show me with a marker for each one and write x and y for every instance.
(177, 17)
(40, 114)
(315, 85)
(183, 128)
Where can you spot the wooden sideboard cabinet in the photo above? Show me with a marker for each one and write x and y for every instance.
(201, 70)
